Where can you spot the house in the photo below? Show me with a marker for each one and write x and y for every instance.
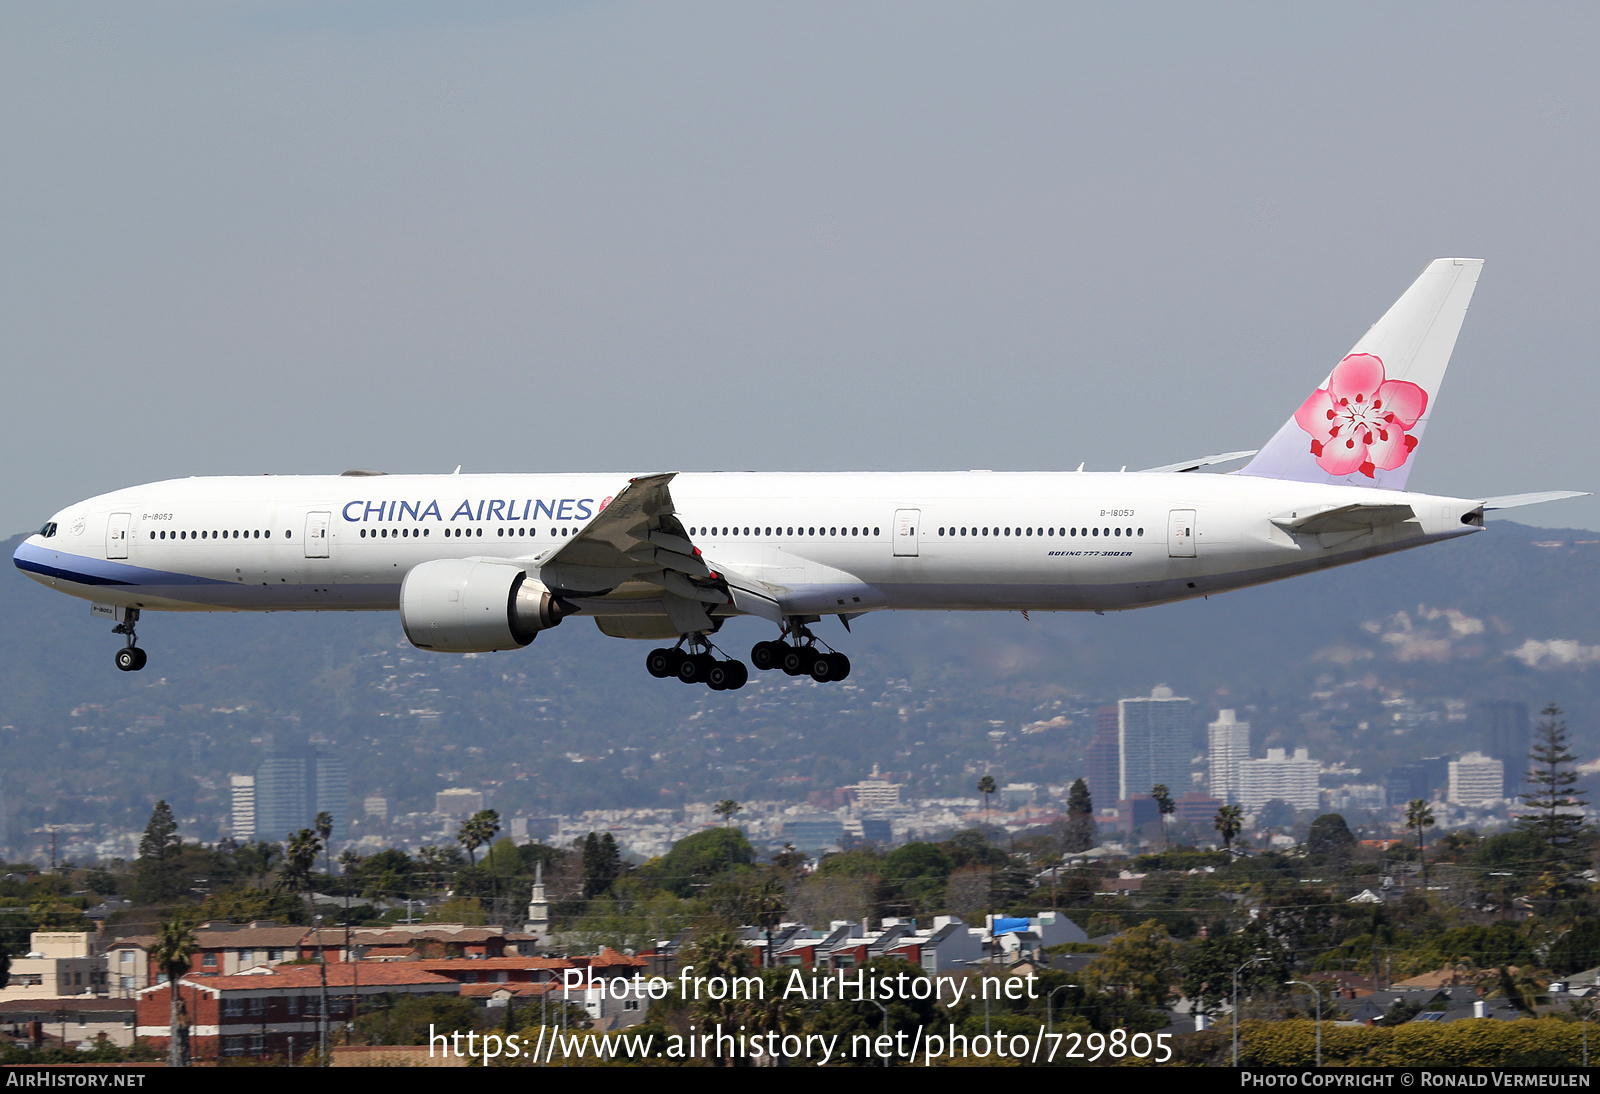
(279, 1010)
(58, 963)
(67, 1022)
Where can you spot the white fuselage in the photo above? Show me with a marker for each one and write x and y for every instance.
(830, 543)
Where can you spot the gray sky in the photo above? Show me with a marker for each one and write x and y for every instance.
(298, 238)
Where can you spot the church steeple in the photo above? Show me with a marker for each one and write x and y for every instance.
(538, 922)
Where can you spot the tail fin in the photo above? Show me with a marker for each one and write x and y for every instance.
(1362, 425)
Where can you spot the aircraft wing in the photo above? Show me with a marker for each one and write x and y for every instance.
(1195, 465)
(637, 538)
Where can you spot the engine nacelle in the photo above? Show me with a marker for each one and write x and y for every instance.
(457, 605)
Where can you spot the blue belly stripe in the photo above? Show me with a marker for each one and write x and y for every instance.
(98, 571)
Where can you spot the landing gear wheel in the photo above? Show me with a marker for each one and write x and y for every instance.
(793, 661)
(840, 666)
(819, 665)
(765, 655)
(727, 676)
(662, 663)
(694, 668)
(130, 659)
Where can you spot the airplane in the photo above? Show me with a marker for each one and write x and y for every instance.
(479, 563)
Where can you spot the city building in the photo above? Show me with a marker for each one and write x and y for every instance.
(1018, 795)
(242, 826)
(458, 802)
(294, 785)
(278, 1011)
(1153, 742)
(876, 792)
(808, 832)
(1279, 778)
(1477, 780)
(73, 1022)
(1227, 746)
(1139, 814)
(375, 805)
(1102, 770)
(1507, 736)
(1196, 808)
(1427, 779)
(58, 963)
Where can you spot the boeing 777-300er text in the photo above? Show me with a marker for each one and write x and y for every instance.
(485, 562)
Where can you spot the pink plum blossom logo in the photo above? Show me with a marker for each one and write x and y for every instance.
(1362, 421)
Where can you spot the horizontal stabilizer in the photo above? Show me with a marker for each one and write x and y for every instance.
(1512, 501)
(1342, 518)
(1195, 465)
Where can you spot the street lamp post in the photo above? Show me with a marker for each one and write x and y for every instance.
(1315, 994)
(1236, 972)
(1049, 1015)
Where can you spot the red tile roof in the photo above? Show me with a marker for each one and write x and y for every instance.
(385, 974)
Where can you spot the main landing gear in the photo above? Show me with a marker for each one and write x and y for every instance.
(803, 658)
(130, 658)
(697, 665)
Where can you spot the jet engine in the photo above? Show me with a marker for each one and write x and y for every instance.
(457, 605)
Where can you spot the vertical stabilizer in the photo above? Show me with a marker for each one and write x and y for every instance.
(1364, 424)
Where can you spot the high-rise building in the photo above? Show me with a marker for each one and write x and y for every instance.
(1507, 736)
(1278, 777)
(1228, 745)
(1153, 742)
(243, 824)
(293, 786)
(1426, 779)
(1477, 780)
(1102, 770)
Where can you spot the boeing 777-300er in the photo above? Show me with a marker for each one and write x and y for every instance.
(485, 562)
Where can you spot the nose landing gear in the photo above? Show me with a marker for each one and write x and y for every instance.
(696, 665)
(130, 658)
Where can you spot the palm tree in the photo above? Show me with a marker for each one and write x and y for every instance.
(1419, 815)
(1165, 805)
(174, 945)
(986, 787)
(478, 830)
(1229, 823)
(725, 809)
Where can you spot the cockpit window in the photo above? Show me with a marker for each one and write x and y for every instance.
(48, 530)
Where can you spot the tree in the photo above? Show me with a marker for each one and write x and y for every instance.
(602, 864)
(1419, 816)
(1229, 823)
(159, 851)
(1330, 836)
(1080, 834)
(725, 809)
(300, 863)
(1556, 811)
(477, 830)
(1165, 805)
(173, 947)
(1138, 966)
(986, 787)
